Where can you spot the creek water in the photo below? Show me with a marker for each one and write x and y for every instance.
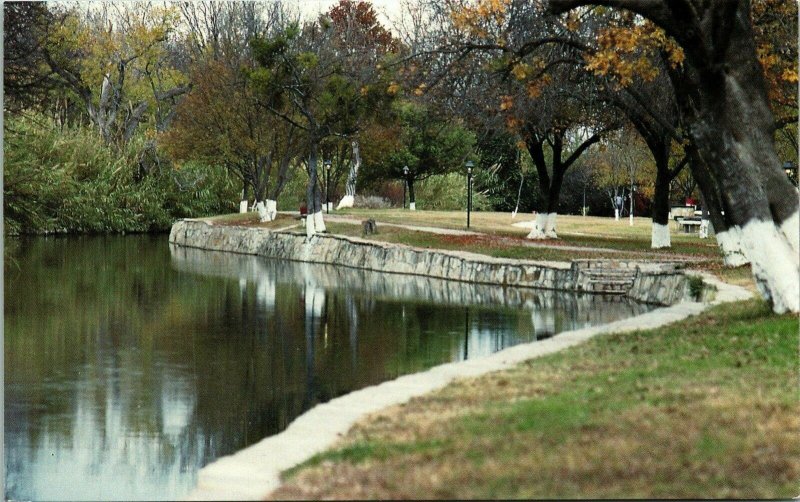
(130, 363)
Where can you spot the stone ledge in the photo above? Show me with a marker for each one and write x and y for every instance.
(657, 283)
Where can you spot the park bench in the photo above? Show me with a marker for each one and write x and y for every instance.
(688, 225)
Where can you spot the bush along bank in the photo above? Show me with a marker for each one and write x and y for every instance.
(67, 180)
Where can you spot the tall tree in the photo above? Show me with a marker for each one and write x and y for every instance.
(718, 40)
(222, 123)
(425, 144)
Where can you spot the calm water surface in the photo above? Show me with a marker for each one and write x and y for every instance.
(131, 364)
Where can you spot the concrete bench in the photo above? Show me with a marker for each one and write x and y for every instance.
(688, 225)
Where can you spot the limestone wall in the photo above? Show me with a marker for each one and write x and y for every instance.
(651, 283)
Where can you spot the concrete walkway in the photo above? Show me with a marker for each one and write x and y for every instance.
(253, 473)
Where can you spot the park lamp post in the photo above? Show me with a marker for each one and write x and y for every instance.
(405, 184)
(469, 166)
(791, 171)
(328, 186)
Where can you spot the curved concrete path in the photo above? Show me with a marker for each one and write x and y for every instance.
(253, 473)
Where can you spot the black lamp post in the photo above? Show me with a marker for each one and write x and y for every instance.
(469, 165)
(405, 184)
(328, 186)
(791, 171)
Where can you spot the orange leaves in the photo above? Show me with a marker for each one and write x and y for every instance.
(626, 52)
(506, 102)
(512, 123)
(534, 88)
(393, 88)
(473, 19)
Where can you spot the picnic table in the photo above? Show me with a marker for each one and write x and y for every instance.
(688, 225)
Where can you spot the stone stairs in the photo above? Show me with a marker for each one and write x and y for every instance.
(605, 276)
(608, 280)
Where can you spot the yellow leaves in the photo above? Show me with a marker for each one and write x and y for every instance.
(393, 88)
(627, 52)
(477, 18)
(572, 22)
(521, 145)
(420, 90)
(506, 102)
(364, 90)
(676, 54)
(789, 75)
(520, 71)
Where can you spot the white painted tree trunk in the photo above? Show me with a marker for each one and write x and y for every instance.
(631, 219)
(350, 185)
(309, 226)
(791, 229)
(550, 226)
(272, 209)
(660, 237)
(319, 223)
(616, 214)
(730, 243)
(703, 231)
(243, 206)
(412, 206)
(347, 201)
(538, 230)
(776, 266)
(263, 215)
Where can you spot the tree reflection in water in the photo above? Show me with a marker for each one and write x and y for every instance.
(129, 365)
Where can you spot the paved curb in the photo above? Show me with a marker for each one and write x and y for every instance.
(253, 473)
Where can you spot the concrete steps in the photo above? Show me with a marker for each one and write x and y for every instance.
(607, 278)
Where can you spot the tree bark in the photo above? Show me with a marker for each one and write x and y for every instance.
(660, 233)
(352, 177)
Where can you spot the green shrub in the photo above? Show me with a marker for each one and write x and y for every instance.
(70, 181)
(448, 192)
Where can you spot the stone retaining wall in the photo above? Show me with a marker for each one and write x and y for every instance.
(655, 283)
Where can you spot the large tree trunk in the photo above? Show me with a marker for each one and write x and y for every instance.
(243, 203)
(350, 185)
(727, 237)
(550, 186)
(660, 237)
(314, 222)
(732, 130)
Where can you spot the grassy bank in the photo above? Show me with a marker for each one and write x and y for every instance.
(579, 237)
(703, 408)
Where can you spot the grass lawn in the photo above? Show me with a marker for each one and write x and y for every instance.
(251, 219)
(707, 407)
(588, 231)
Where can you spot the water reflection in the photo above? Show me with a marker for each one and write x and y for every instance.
(130, 365)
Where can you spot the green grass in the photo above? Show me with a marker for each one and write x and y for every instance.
(706, 407)
(505, 246)
(251, 219)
